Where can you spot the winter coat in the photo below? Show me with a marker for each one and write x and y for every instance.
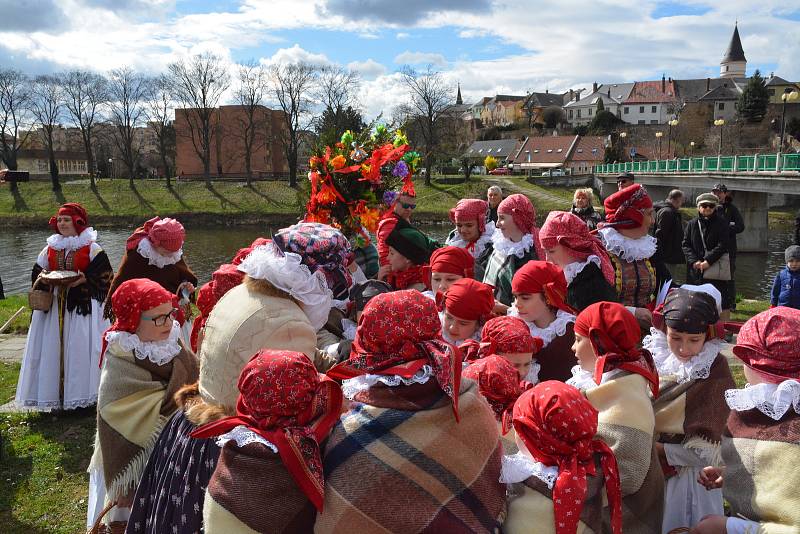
(589, 216)
(735, 223)
(716, 236)
(786, 289)
(669, 233)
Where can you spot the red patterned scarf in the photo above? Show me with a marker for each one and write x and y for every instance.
(500, 384)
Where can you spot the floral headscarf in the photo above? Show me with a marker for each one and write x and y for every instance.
(499, 382)
(468, 299)
(166, 233)
(502, 335)
(567, 229)
(470, 209)
(768, 344)
(624, 208)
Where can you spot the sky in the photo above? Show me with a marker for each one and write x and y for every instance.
(486, 46)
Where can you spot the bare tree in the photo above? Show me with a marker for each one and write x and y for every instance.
(46, 106)
(158, 105)
(292, 86)
(84, 95)
(252, 123)
(126, 92)
(198, 84)
(337, 90)
(430, 98)
(15, 115)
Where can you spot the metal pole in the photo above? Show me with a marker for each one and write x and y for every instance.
(783, 124)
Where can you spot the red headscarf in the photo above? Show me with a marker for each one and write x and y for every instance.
(452, 260)
(223, 280)
(470, 209)
(80, 219)
(285, 400)
(543, 277)
(499, 382)
(567, 229)
(557, 425)
(131, 298)
(165, 233)
(614, 334)
(468, 299)
(502, 335)
(624, 208)
(244, 252)
(524, 215)
(398, 334)
(769, 345)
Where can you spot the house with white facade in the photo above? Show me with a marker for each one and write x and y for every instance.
(581, 111)
(651, 102)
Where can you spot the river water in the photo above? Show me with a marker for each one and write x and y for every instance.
(207, 248)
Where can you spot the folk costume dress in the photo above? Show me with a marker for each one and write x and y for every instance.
(508, 256)
(760, 444)
(468, 210)
(690, 410)
(619, 390)
(634, 272)
(418, 451)
(60, 364)
(562, 474)
(137, 387)
(555, 358)
(591, 277)
(269, 475)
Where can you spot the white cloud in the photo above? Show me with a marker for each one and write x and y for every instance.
(368, 69)
(420, 58)
(296, 54)
(402, 35)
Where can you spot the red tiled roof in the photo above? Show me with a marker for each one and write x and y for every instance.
(650, 92)
(585, 145)
(545, 149)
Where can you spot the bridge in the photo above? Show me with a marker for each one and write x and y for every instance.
(751, 179)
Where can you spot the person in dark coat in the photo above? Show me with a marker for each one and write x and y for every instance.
(669, 232)
(583, 208)
(700, 257)
(797, 229)
(494, 195)
(736, 226)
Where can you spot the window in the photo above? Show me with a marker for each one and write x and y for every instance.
(560, 149)
(721, 106)
(579, 114)
(654, 121)
(570, 114)
(590, 112)
(580, 150)
(641, 122)
(652, 109)
(772, 92)
(536, 151)
(641, 109)
(626, 110)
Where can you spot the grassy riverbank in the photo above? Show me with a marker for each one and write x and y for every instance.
(8, 307)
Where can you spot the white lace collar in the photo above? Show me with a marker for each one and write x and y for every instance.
(353, 386)
(158, 352)
(349, 329)
(555, 329)
(154, 257)
(74, 242)
(533, 373)
(244, 436)
(626, 248)
(505, 247)
(584, 380)
(574, 269)
(520, 467)
(480, 245)
(698, 367)
(773, 400)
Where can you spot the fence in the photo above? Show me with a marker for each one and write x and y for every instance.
(753, 163)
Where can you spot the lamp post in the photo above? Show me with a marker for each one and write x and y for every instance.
(691, 149)
(659, 135)
(721, 124)
(789, 95)
(111, 167)
(673, 122)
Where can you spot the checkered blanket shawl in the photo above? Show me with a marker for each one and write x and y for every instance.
(399, 462)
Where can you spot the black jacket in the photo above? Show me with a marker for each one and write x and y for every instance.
(716, 235)
(589, 216)
(669, 233)
(735, 223)
(590, 286)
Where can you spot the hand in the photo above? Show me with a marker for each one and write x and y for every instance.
(383, 272)
(644, 317)
(189, 287)
(711, 477)
(710, 524)
(704, 265)
(500, 308)
(79, 281)
(696, 265)
(126, 501)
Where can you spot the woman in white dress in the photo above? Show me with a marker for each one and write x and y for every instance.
(60, 365)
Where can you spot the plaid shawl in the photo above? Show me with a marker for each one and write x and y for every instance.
(500, 272)
(401, 463)
(761, 477)
(135, 400)
(694, 413)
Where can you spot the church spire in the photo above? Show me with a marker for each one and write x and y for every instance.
(459, 101)
(734, 64)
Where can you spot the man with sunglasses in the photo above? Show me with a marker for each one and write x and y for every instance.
(404, 206)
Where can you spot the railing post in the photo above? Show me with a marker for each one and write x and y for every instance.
(778, 162)
(755, 163)
(735, 163)
(703, 169)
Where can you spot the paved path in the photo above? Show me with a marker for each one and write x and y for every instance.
(11, 347)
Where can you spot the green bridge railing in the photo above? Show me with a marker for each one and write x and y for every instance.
(756, 163)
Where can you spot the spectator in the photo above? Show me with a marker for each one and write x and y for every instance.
(736, 225)
(403, 207)
(494, 195)
(624, 180)
(669, 232)
(786, 288)
(583, 208)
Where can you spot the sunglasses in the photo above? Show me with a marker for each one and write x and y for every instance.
(161, 320)
(407, 206)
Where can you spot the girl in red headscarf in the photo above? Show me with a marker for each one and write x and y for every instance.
(567, 242)
(509, 338)
(410, 405)
(465, 307)
(472, 232)
(539, 299)
(760, 442)
(448, 264)
(284, 412)
(557, 478)
(515, 242)
(144, 365)
(618, 378)
(60, 363)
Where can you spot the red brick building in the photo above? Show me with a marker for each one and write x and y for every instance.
(228, 146)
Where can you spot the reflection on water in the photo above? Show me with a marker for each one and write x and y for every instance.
(207, 248)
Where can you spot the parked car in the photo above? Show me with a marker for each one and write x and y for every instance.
(553, 172)
(500, 171)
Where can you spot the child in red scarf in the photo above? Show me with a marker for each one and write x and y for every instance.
(509, 338)
(409, 253)
(447, 265)
(465, 307)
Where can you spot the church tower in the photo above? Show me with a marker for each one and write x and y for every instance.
(734, 64)
(459, 101)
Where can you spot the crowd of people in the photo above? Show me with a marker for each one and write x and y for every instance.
(517, 378)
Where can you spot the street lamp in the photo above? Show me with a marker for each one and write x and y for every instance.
(111, 167)
(789, 95)
(691, 149)
(721, 124)
(673, 122)
(659, 135)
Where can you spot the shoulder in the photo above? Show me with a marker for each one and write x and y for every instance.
(94, 250)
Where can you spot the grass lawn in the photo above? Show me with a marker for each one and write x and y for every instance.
(746, 308)
(9, 307)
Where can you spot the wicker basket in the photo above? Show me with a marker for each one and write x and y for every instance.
(40, 299)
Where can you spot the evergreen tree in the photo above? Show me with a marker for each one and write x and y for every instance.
(752, 104)
(603, 123)
(600, 105)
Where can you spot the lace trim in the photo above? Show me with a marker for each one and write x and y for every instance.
(353, 386)
(349, 329)
(520, 467)
(574, 269)
(55, 405)
(158, 352)
(626, 248)
(286, 272)
(698, 367)
(74, 242)
(244, 436)
(505, 247)
(480, 245)
(773, 400)
(555, 329)
(533, 373)
(584, 380)
(154, 257)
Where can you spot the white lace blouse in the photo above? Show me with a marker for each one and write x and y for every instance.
(773, 400)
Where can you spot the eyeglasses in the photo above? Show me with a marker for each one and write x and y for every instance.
(161, 320)
(407, 206)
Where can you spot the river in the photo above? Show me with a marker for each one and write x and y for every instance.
(207, 248)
